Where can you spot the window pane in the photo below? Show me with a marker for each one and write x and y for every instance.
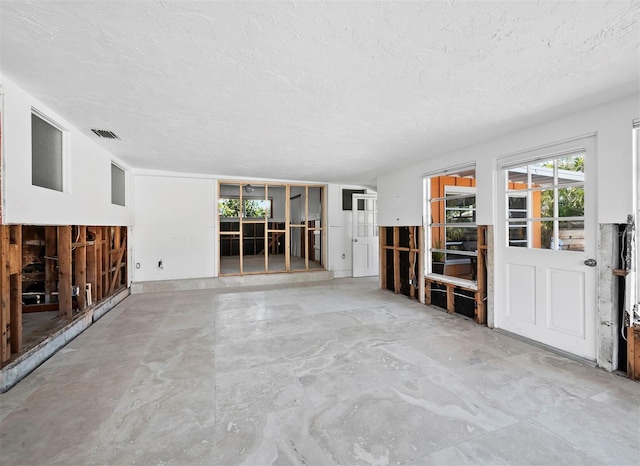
(517, 178)
(571, 202)
(571, 169)
(517, 234)
(46, 154)
(541, 174)
(571, 236)
(542, 234)
(547, 201)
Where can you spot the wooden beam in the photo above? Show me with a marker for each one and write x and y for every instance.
(451, 305)
(5, 296)
(481, 277)
(382, 238)
(80, 270)
(107, 240)
(412, 262)
(427, 292)
(633, 352)
(421, 268)
(396, 260)
(50, 263)
(64, 272)
(91, 276)
(16, 290)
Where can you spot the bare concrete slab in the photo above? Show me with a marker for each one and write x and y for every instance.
(317, 373)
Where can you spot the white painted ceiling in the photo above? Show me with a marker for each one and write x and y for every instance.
(317, 91)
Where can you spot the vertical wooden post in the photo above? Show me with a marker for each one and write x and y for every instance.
(396, 260)
(427, 292)
(50, 251)
(65, 309)
(16, 289)
(5, 293)
(107, 241)
(92, 264)
(382, 238)
(481, 304)
(421, 269)
(451, 305)
(98, 252)
(80, 261)
(412, 276)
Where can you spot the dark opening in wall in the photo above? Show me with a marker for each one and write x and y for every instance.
(347, 200)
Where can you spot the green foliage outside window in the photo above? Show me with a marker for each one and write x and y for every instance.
(253, 208)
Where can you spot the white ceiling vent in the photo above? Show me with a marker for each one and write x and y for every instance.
(103, 133)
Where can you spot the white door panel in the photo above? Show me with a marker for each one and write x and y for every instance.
(549, 294)
(365, 235)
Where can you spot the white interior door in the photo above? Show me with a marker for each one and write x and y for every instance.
(546, 242)
(365, 235)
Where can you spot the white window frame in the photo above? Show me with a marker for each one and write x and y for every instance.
(426, 226)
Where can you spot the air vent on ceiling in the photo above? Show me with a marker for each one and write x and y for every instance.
(103, 133)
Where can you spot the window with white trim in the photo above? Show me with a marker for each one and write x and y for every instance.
(545, 202)
(47, 153)
(452, 232)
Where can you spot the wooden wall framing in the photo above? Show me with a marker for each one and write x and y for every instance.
(393, 243)
(453, 289)
(399, 240)
(232, 233)
(72, 267)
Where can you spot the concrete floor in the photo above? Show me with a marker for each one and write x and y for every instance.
(317, 373)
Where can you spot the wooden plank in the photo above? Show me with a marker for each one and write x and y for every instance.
(382, 238)
(107, 241)
(15, 283)
(80, 270)
(116, 270)
(412, 262)
(65, 310)
(451, 306)
(427, 292)
(633, 352)
(91, 262)
(98, 243)
(50, 273)
(481, 294)
(396, 260)
(5, 296)
(421, 268)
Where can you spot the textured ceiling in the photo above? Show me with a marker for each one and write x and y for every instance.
(320, 91)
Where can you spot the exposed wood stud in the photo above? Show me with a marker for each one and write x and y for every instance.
(80, 269)
(5, 295)
(16, 290)
(451, 305)
(50, 264)
(397, 285)
(382, 238)
(64, 272)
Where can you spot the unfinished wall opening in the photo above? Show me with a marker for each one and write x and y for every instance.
(270, 228)
(47, 152)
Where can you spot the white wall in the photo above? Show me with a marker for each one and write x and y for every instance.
(400, 192)
(86, 199)
(174, 223)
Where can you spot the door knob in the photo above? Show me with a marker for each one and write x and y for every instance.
(355, 240)
(590, 262)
